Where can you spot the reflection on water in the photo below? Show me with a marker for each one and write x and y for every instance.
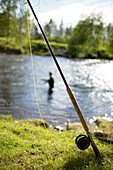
(90, 80)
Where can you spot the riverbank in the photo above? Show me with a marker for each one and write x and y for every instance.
(39, 47)
(26, 144)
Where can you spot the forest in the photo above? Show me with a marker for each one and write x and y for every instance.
(90, 38)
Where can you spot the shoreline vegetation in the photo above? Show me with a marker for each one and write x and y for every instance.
(39, 48)
(90, 38)
(28, 144)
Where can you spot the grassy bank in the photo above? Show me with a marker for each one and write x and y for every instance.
(38, 47)
(9, 47)
(26, 144)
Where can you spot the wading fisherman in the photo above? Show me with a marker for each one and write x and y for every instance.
(50, 81)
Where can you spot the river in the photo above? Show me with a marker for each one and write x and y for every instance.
(90, 80)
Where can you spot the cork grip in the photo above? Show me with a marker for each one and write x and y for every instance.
(77, 108)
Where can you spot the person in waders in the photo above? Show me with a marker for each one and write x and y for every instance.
(51, 82)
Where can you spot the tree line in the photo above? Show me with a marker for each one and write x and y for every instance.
(90, 38)
(13, 23)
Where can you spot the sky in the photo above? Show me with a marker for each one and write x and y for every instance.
(71, 11)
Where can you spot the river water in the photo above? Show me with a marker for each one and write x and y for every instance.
(90, 80)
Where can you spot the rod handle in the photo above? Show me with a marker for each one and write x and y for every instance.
(77, 108)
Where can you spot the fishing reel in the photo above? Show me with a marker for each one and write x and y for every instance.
(82, 141)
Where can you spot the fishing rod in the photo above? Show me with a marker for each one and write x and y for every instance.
(82, 141)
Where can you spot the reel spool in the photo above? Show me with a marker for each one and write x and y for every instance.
(82, 142)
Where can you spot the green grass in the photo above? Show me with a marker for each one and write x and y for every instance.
(8, 46)
(39, 47)
(26, 145)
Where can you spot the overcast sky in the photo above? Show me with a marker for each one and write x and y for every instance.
(71, 11)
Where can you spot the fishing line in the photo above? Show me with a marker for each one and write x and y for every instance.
(33, 69)
(35, 85)
(34, 79)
